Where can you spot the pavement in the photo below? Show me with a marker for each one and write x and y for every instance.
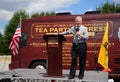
(38, 75)
(4, 63)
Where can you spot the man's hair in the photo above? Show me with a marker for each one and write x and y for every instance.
(78, 17)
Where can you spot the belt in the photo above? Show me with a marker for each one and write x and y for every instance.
(79, 43)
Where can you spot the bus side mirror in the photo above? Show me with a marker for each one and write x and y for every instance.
(23, 39)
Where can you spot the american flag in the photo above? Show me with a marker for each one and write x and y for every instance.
(14, 45)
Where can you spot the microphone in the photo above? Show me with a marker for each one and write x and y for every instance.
(77, 37)
(77, 29)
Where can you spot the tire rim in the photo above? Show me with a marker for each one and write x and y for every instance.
(39, 67)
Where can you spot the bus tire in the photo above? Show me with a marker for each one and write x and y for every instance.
(38, 65)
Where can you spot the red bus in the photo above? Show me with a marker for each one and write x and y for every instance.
(33, 48)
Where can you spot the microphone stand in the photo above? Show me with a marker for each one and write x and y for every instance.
(95, 54)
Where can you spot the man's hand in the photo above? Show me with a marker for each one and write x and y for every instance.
(79, 34)
(60, 34)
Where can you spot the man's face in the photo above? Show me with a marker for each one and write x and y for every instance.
(78, 22)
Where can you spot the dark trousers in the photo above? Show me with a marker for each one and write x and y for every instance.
(80, 51)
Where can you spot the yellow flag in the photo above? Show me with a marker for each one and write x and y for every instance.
(103, 54)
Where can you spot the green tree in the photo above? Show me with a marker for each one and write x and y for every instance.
(49, 13)
(52, 14)
(109, 7)
(2, 44)
(35, 15)
(43, 14)
(0, 35)
(11, 27)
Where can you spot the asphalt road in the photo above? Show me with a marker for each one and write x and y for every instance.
(4, 63)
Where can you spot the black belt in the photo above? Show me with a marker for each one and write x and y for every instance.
(79, 43)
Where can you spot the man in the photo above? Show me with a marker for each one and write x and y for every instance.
(79, 48)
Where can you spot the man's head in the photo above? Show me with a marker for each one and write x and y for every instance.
(78, 21)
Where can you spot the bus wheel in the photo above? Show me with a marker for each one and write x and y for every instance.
(39, 65)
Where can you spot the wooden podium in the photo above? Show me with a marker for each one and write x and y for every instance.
(54, 54)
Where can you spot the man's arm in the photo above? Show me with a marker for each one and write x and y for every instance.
(70, 31)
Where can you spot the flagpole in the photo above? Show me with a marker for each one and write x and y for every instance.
(95, 54)
(20, 22)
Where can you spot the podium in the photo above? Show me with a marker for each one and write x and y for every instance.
(54, 54)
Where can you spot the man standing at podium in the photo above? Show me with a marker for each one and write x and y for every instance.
(79, 48)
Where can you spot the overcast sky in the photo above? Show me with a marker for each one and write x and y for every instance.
(8, 7)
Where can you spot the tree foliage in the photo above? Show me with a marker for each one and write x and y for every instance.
(43, 14)
(1, 44)
(0, 35)
(109, 7)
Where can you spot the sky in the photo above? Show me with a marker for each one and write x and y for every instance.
(9, 7)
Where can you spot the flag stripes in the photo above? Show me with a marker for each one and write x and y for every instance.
(14, 45)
